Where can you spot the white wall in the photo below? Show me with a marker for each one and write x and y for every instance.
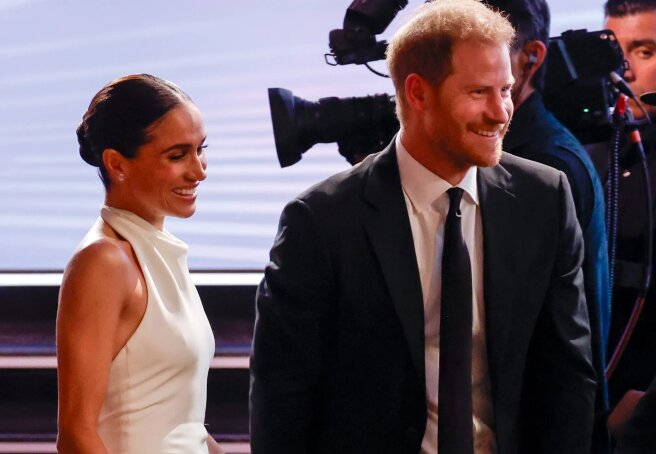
(55, 54)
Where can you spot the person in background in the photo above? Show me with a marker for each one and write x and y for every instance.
(537, 135)
(430, 298)
(133, 342)
(634, 24)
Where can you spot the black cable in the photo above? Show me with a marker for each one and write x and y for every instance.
(648, 258)
(612, 197)
(649, 228)
(378, 73)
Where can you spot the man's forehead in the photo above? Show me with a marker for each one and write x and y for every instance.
(493, 77)
(477, 54)
(633, 24)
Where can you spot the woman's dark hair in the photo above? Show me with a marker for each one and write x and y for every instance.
(121, 113)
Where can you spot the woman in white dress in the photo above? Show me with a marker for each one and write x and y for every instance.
(133, 342)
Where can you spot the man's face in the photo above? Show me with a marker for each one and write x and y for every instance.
(636, 34)
(468, 114)
(517, 73)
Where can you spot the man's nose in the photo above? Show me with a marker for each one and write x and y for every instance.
(629, 75)
(498, 110)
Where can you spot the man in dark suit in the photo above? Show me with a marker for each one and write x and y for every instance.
(360, 312)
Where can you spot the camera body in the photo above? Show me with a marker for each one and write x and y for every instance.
(364, 19)
(360, 126)
(578, 89)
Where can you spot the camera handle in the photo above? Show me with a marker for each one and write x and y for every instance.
(621, 125)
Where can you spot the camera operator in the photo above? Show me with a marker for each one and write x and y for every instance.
(537, 135)
(634, 24)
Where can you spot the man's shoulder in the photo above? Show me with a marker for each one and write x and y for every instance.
(525, 177)
(528, 168)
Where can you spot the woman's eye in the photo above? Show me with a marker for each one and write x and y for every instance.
(201, 150)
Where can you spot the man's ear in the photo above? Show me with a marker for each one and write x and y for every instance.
(532, 57)
(416, 92)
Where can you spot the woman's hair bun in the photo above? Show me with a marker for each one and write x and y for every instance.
(86, 151)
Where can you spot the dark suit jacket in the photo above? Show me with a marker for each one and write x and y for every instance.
(337, 363)
(537, 135)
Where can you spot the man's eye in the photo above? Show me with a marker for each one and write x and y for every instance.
(201, 150)
(644, 53)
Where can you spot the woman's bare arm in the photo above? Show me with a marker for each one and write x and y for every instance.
(98, 284)
(213, 447)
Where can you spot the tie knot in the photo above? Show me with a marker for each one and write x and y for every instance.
(455, 195)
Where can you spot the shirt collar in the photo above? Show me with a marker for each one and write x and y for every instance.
(422, 186)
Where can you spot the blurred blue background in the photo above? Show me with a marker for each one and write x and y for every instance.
(55, 55)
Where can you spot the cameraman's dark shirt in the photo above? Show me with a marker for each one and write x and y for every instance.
(537, 135)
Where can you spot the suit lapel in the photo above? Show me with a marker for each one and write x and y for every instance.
(501, 242)
(388, 228)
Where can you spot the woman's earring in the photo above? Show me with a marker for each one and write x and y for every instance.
(121, 177)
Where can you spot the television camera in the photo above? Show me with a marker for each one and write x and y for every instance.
(578, 89)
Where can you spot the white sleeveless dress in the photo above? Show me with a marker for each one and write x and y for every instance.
(157, 387)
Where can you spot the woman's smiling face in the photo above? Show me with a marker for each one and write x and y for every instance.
(163, 178)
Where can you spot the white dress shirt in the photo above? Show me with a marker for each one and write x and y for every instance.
(428, 204)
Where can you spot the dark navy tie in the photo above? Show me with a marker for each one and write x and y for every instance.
(455, 425)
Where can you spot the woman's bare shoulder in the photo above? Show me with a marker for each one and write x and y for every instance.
(102, 261)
